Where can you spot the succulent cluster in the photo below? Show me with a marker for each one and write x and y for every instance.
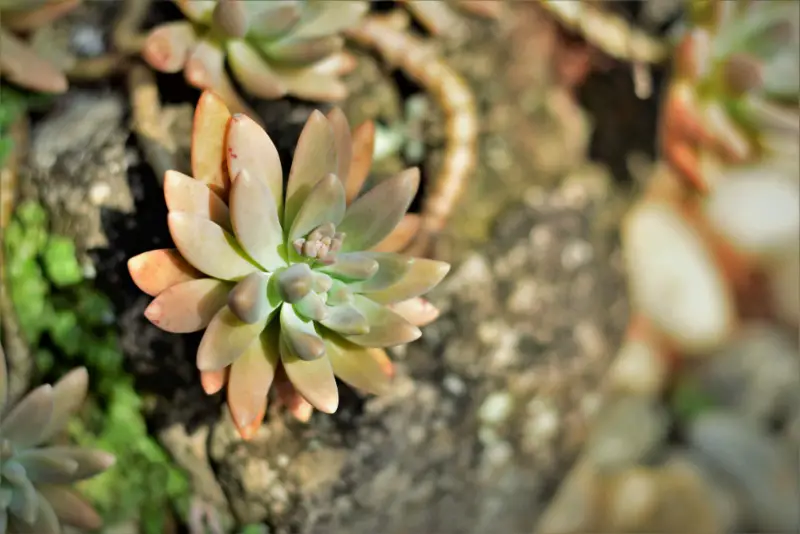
(35, 496)
(19, 63)
(274, 48)
(292, 286)
(737, 87)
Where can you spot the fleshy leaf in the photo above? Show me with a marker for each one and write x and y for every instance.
(90, 463)
(205, 69)
(314, 380)
(26, 422)
(252, 72)
(344, 142)
(300, 336)
(68, 396)
(231, 17)
(288, 396)
(339, 294)
(46, 520)
(213, 381)
(208, 247)
(248, 300)
(250, 149)
(325, 203)
(251, 377)
(422, 276)
(272, 19)
(363, 147)
(331, 18)
(292, 49)
(255, 221)
(30, 18)
(42, 465)
(209, 130)
(416, 311)
(184, 193)
(295, 282)
(374, 215)
(314, 158)
(401, 236)
(197, 10)
(352, 267)
(3, 380)
(311, 307)
(313, 82)
(362, 368)
(167, 47)
(24, 500)
(70, 507)
(345, 319)
(225, 339)
(189, 306)
(391, 269)
(157, 270)
(19, 64)
(386, 328)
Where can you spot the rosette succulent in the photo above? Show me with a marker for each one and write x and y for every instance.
(35, 497)
(19, 64)
(292, 286)
(273, 48)
(737, 91)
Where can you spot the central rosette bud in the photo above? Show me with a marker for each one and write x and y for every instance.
(321, 244)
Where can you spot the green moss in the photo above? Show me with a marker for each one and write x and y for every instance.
(13, 103)
(68, 323)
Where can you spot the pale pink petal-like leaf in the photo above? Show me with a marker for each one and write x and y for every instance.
(26, 422)
(314, 380)
(401, 236)
(209, 130)
(208, 247)
(253, 72)
(352, 266)
(416, 311)
(231, 17)
(314, 158)
(184, 193)
(386, 328)
(197, 10)
(363, 148)
(251, 377)
(68, 396)
(325, 203)
(302, 51)
(225, 339)
(422, 276)
(205, 69)
(391, 269)
(311, 84)
(255, 221)
(157, 270)
(361, 367)
(167, 46)
(250, 149)
(290, 398)
(189, 306)
(20, 65)
(213, 381)
(343, 140)
(300, 336)
(70, 507)
(28, 19)
(345, 319)
(46, 521)
(249, 301)
(90, 463)
(273, 19)
(373, 216)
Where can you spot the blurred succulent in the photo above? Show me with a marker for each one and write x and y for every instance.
(737, 91)
(274, 48)
(34, 478)
(19, 63)
(292, 287)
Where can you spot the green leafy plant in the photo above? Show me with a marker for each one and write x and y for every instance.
(289, 287)
(275, 48)
(35, 496)
(55, 303)
(19, 63)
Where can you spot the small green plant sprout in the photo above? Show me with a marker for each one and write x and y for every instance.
(19, 63)
(293, 287)
(35, 497)
(273, 48)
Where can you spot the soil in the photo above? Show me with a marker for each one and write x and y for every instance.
(491, 405)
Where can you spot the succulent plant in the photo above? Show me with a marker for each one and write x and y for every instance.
(19, 64)
(294, 286)
(35, 496)
(274, 48)
(737, 94)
